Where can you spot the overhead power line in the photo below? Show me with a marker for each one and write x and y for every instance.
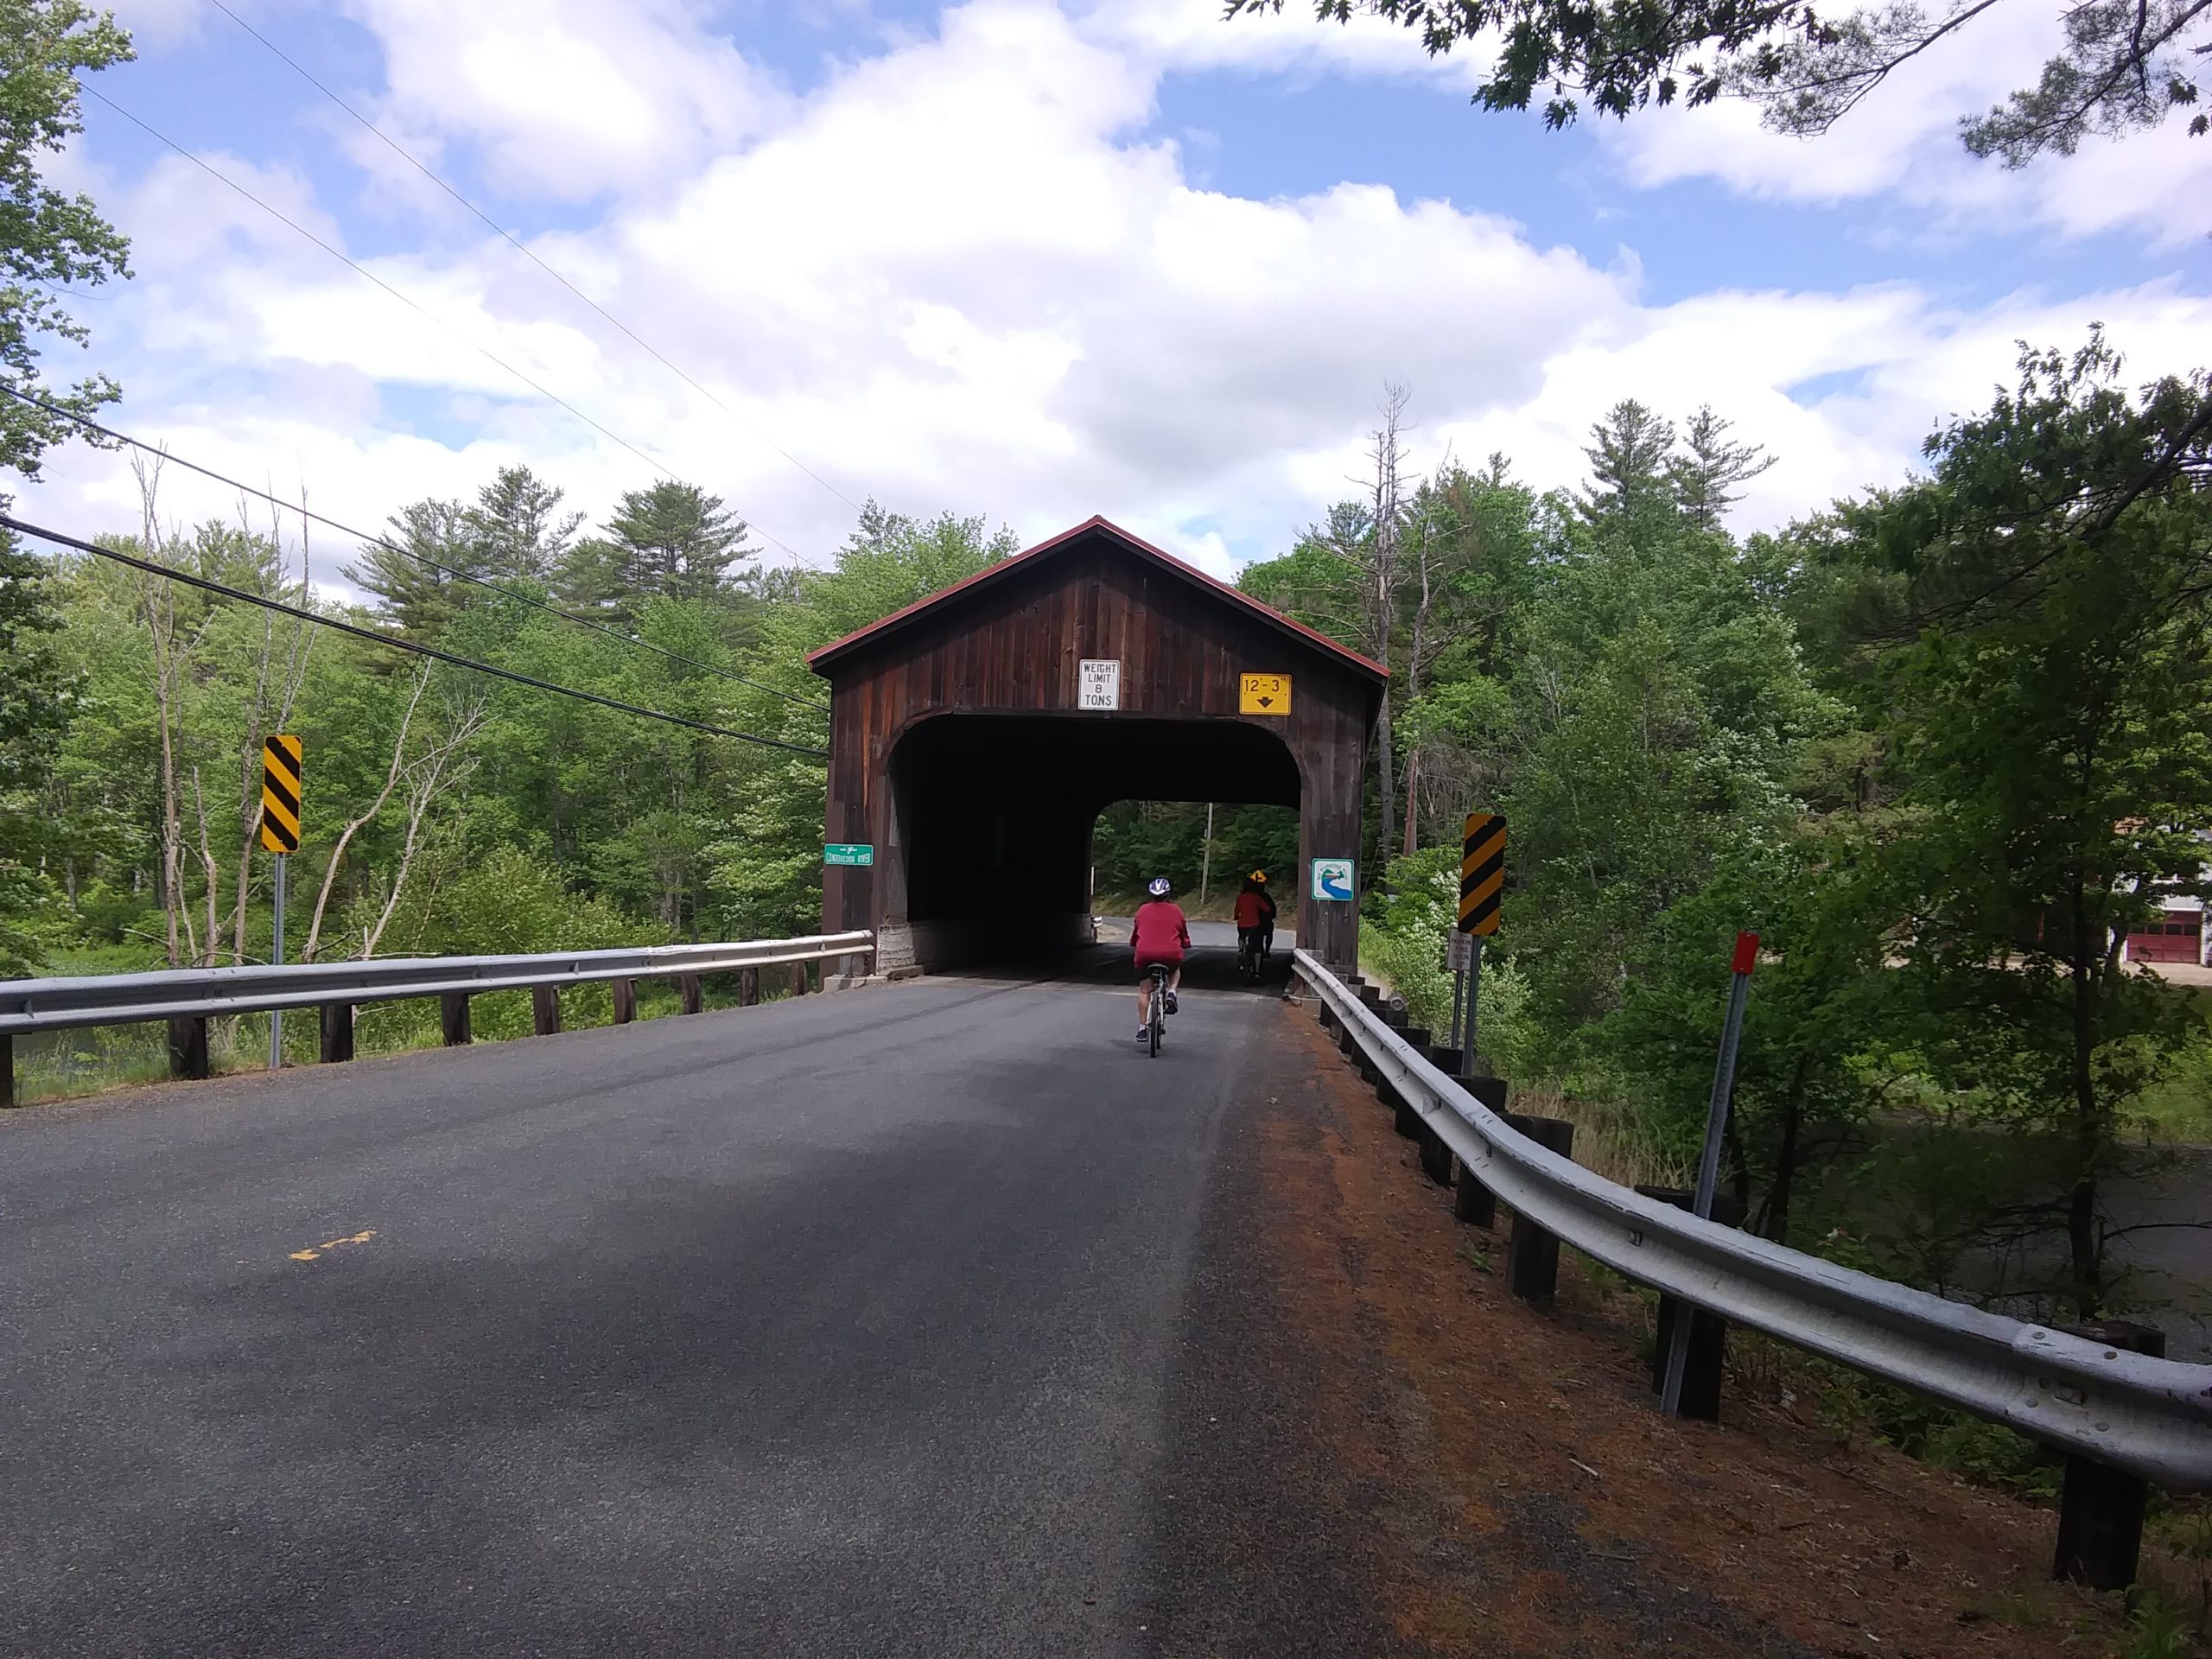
(508, 237)
(412, 304)
(170, 574)
(364, 536)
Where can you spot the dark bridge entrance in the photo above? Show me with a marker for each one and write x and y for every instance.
(963, 753)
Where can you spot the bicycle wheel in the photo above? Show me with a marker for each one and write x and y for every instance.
(1158, 1023)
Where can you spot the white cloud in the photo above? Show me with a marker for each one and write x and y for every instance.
(957, 274)
(565, 99)
(1194, 34)
(1901, 142)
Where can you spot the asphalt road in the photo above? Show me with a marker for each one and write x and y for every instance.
(843, 1325)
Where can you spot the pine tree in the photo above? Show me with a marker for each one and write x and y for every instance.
(518, 528)
(1628, 462)
(1707, 468)
(676, 540)
(421, 599)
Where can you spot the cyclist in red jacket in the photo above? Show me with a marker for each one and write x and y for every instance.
(1255, 921)
(1160, 934)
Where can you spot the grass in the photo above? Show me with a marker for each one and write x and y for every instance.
(2178, 1108)
(1606, 1140)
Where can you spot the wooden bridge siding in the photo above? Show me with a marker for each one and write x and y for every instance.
(1016, 649)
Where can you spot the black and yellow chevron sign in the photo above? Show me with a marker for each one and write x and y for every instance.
(280, 795)
(1482, 873)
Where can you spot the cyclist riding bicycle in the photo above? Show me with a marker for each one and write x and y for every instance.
(1159, 935)
(1255, 917)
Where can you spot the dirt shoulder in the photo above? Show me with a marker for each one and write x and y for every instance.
(1380, 1452)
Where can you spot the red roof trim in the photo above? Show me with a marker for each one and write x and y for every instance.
(819, 658)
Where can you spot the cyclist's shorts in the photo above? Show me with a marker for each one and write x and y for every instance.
(1146, 964)
(1257, 932)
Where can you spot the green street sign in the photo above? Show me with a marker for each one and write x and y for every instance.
(848, 852)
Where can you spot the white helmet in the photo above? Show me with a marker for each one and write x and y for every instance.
(1157, 887)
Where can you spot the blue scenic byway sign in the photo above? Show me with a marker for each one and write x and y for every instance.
(1332, 878)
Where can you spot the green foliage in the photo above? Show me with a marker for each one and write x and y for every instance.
(1939, 747)
(37, 692)
(2122, 67)
(1134, 841)
(2043, 665)
(763, 869)
(1403, 937)
(669, 540)
(48, 241)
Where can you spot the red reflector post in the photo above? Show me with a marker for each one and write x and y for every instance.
(1747, 953)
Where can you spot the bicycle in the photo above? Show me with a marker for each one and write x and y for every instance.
(1155, 1019)
(1248, 954)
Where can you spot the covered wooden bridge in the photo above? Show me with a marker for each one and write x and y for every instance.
(976, 735)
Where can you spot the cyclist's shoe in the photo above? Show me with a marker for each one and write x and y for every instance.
(1171, 1001)
(1144, 1034)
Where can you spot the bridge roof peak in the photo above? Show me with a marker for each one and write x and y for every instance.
(1093, 532)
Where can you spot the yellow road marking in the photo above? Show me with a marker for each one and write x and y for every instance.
(361, 1237)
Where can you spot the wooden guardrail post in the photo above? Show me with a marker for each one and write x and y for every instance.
(7, 1069)
(453, 1015)
(1473, 1202)
(2100, 1507)
(545, 1009)
(189, 1047)
(626, 1000)
(798, 979)
(1435, 1155)
(748, 987)
(1531, 1253)
(1708, 1350)
(337, 1032)
(691, 993)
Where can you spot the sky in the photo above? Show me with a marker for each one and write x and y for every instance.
(1034, 261)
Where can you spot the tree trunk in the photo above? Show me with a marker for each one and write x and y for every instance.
(1386, 771)
(2085, 1250)
(1785, 1158)
(1740, 1179)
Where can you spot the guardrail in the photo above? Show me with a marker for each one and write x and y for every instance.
(2149, 1417)
(188, 997)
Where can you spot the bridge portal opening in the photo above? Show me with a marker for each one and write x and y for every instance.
(1133, 840)
(994, 818)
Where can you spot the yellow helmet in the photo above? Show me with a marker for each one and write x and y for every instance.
(1261, 876)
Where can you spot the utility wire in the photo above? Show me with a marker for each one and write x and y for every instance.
(500, 231)
(169, 574)
(416, 306)
(363, 536)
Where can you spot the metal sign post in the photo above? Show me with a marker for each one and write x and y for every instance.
(1458, 951)
(1481, 888)
(1474, 1005)
(1708, 1163)
(280, 834)
(276, 960)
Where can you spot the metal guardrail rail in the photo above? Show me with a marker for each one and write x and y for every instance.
(35, 1005)
(2151, 1417)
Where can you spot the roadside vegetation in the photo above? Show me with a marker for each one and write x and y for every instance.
(1939, 746)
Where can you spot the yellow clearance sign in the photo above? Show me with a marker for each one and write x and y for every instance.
(280, 795)
(1263, 694)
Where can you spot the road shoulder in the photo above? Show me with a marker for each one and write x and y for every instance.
(1373, 1449)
